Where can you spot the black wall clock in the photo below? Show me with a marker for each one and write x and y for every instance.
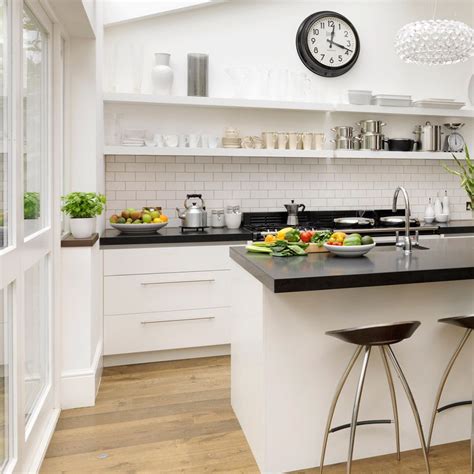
(327, 43)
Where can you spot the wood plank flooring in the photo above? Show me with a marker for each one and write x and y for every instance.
(176, 417)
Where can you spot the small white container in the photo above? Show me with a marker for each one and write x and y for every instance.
(233, 215)
(393, 100)
(429, 213)
(217, 218)
(357, 97)
(82, 228)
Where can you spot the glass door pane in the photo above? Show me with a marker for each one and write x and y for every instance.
(35, 120)
(37, 334)
(4, 377)
(4, 168)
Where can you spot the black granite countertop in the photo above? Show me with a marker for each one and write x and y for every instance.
(173, 235)
(445, 260)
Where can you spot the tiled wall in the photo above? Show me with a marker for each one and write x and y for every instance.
(267, 183)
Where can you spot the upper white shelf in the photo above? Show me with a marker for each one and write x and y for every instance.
(220, 102)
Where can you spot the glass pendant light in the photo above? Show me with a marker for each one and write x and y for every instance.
(434, 42)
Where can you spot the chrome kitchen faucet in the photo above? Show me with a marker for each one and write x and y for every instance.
(406, 241)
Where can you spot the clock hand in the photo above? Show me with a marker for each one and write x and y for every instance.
(340, 46)
(332, 36)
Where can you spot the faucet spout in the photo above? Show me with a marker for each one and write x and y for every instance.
(406, 244)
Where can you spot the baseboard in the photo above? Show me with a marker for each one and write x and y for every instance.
(160, 356)
(79, 387)
(38, 457)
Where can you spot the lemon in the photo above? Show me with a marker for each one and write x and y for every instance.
(282, 233)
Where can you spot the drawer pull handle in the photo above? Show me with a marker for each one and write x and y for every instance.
(176, 320)
(176, 281)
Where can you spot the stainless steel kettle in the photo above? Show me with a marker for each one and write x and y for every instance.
(194, 215)
(293, 210)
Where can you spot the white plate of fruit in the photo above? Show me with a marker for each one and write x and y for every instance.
(133, 221)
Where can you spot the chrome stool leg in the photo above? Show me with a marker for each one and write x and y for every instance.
(394, 400)
(339, 388)
(389, 351)
(443, 382)
(355, 411)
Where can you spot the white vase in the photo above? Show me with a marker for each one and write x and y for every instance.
(470, 90)
(82, 228)
(162, 74)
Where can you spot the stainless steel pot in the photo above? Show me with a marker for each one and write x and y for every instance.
(431, 139)
(353, 221)
(343, 143)
(194, 214)
(371, 126)
(343, 131)
(371, 141)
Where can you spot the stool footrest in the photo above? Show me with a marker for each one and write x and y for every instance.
(453, 405)
(360, 423)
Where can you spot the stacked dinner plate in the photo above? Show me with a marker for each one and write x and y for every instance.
(228, 142)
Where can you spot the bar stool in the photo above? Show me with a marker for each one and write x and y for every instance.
(466, 322)
(365, 337)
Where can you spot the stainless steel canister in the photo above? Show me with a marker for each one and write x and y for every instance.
(431, 137)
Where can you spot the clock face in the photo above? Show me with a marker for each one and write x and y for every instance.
(327, 43)
(332, 42)
(455, 142)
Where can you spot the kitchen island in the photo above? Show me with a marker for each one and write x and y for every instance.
(285, 369)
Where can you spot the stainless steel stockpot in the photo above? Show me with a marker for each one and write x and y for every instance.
(343, 143)
(371, 141)
(371, 126)
(343, 131)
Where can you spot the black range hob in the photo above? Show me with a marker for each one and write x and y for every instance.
(263, 223)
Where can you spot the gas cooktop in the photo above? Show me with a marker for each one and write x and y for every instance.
(262, 223)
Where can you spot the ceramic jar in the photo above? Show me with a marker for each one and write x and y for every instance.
(162, 74)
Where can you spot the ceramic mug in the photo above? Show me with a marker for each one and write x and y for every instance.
(158, 139)
(307, 139)
(183, 141)
(194, 140)
(319, 141)
(269, 139)
(247, 142)
(257, 143)
(213, 141)
(282, 140)
(171, 141)
(294, 140)
(231, 132)
(205, 141)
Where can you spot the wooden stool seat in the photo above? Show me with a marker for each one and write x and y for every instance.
(377, 334)
(466, 322)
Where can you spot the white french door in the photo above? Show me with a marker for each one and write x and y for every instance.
(27, 236)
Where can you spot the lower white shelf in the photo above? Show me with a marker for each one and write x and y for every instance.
(383, 154)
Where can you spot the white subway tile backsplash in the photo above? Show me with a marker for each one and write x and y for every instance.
(266, 183)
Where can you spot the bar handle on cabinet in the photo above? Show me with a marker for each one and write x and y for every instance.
(150, 283)
(177, 320)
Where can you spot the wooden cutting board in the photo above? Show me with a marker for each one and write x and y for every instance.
(313, 248)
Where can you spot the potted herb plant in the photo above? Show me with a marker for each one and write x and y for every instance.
(83, 208)
(31, 211)
(466, 174)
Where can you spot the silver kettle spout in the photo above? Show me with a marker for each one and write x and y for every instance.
(181, 214)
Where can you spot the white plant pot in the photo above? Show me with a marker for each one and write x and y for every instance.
(82, 228)
(162, 74)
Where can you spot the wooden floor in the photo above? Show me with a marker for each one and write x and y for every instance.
(176, 417)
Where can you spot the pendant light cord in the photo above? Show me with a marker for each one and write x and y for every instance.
(435, 9)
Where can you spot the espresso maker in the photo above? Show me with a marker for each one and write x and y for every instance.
(293, 210)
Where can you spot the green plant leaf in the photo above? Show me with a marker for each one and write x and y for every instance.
(83, 205)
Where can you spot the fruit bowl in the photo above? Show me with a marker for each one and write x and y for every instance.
(349, 250)
(139, 228)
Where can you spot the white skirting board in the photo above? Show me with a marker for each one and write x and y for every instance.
(161, 356)
(79, 387)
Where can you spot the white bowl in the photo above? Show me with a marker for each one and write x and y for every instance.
(139, 228)
(442, 217)
(359, 97)
(349, 250)
(428, 220)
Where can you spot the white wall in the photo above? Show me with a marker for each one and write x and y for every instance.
(262, 33)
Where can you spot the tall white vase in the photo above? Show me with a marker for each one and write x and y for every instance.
(470, 90)
(162, 74)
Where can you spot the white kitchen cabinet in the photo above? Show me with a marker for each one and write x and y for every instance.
(166, 298)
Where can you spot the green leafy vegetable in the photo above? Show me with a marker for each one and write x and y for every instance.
(280, 248)
(83, 205)
(321, 237)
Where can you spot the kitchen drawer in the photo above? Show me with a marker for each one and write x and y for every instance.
(166, 330)
(200, 258)
(166, 292)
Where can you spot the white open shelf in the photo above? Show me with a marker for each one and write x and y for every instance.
(155, 151)
(219, 102)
